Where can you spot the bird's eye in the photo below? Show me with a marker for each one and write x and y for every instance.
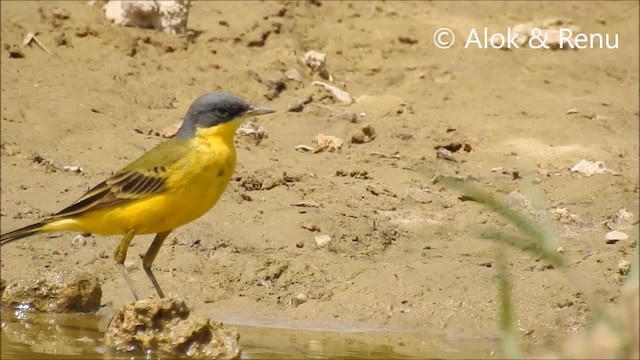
(223, 112)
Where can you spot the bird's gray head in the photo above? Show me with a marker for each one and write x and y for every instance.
(216, 108)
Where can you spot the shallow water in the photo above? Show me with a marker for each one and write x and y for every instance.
(30, 335)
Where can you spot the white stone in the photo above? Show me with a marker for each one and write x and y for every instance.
(616, 235)
(322, 240)
(589, 168)
(338, 94)
(169, 16)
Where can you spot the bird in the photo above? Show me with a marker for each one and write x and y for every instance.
(169, 186)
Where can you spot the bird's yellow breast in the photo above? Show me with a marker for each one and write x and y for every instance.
(193, 186)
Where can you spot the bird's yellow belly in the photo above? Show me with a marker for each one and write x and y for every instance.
(190, 195)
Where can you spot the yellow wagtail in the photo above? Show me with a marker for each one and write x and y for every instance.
(171, 185)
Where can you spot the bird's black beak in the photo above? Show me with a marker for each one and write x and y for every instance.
(255, 111)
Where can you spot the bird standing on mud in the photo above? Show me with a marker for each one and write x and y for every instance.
(171, 185)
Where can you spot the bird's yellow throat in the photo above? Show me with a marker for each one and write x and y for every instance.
(224, 132)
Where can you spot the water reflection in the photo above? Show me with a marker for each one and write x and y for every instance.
(31, 335)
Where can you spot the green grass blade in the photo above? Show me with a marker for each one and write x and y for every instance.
(524, 244)
(509, 344)
(539, 236)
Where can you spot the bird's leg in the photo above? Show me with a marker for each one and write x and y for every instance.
(150, 256)
(120, 255)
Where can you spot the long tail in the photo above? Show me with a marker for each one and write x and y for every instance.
(23, 232)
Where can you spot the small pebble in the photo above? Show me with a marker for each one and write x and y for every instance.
(624, 267)
(303, 148)
(348, 116)
(14, 52)
(295, 106)
(275, 81)
(306, 204)
(515, 175)
(73, 169)
(79, 240)
(337, 93)
(445, 154)
(298, 104)
(589, 168)
(60, 14)
(322, 240)
(358, 138)
(317, 61)
(517, 200)
(293, 74)
(253, 131)
(366, 134)
(623, 218)
(310, 227)
(614, 236)
(368, 130)
(407, 40)
(300, 298)
(560, 250)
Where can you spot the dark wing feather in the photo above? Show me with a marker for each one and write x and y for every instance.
(145, 176)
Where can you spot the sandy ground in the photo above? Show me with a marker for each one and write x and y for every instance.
(404, 252)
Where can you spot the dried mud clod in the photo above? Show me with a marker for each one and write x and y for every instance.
(253, 131)
(589, 168)
(14, 51)
(366, 134)
(62, 40)
(407, 40)
(293, 75)
(328, 143)
(297, 105)
(337, 94)
(275, 83)
(54, 16)
(262, 180)
(356, 174)
(621, 220)
(55, 292)
(454, 147)
(167, 327)
(317, 62)
(348, 116)
(260, 40)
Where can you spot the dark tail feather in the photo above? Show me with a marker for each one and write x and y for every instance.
(22, 233)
